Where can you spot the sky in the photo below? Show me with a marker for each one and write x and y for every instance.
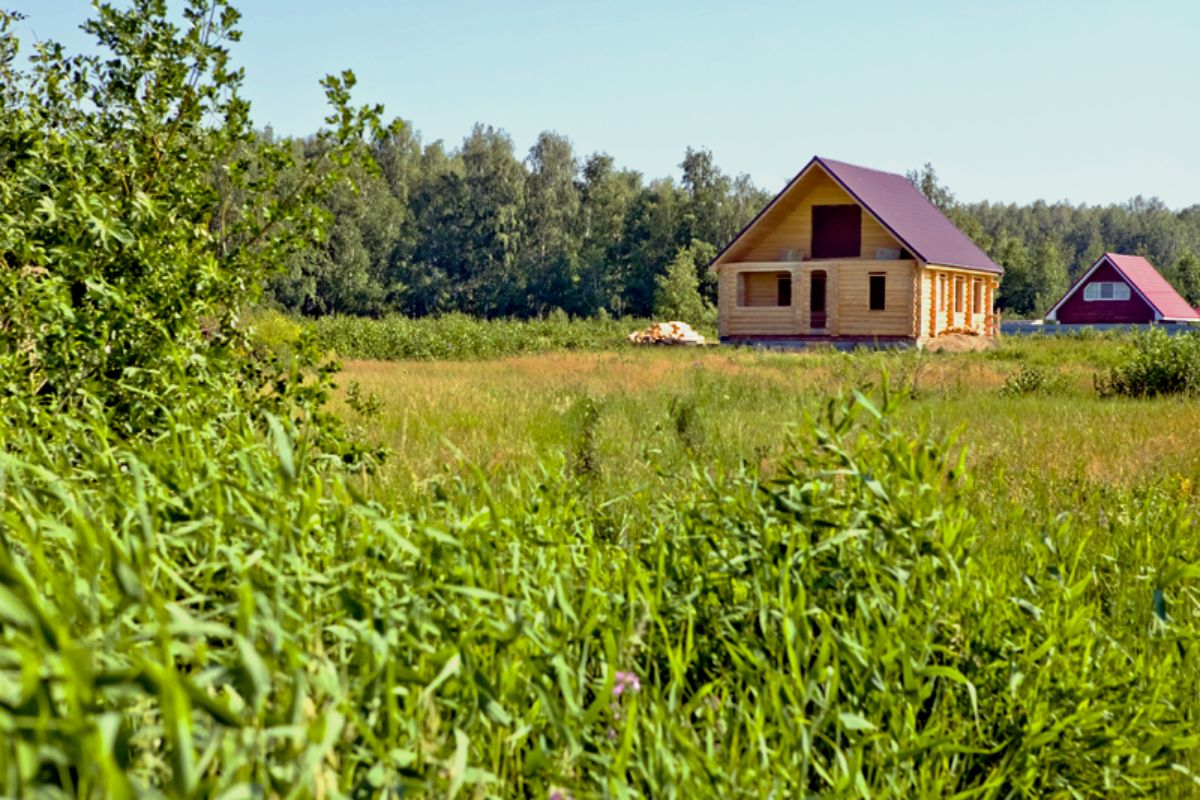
(1011, 100)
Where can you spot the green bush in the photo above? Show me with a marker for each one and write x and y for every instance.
(275, 331)
(1031, 379)
(1155, 363)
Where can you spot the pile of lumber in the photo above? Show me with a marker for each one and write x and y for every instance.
(667, 333)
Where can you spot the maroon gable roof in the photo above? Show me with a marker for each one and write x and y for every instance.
(910, 217)
(901, 208)
(1145, 280)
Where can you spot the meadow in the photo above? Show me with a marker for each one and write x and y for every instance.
(523, 559)
(1076, 545)
(635, 418)
(618, 572)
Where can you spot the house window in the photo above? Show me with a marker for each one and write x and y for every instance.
(784, 288)
(958, 294)
(765, 289)
(878, 286)
(1106, 290)
(978, 299)
(836, 231)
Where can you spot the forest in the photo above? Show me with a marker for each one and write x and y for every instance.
(480, 230)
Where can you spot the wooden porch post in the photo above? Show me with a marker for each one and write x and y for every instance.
(799, 311)
(969, 289)
(990, 319)
(933, 303)
(949, 292)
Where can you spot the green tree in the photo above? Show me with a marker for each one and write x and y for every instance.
(706, 191)
(1185, 276)
(677, 291)
(490, 224)
(469, 208)
(648, 246)
(432, 277)
(348, 273)
(400, 157)
(1048, 279)
(926, 180)
(1018, 294)
(550, 248)
(606, 196)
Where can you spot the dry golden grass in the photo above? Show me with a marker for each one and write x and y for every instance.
(658, 411)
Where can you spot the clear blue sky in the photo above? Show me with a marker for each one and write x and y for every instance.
(1011, 100)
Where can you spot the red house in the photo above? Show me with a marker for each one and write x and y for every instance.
(1121, 289)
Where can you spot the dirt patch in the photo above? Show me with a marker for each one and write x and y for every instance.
(960, 343)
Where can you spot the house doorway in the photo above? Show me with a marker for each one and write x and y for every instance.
(816, 299)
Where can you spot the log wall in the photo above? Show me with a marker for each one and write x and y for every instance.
(939, 307)
(847, 299)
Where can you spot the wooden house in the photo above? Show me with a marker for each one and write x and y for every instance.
(846, 253)
(1119, 289)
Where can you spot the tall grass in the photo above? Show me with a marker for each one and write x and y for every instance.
(219, 614)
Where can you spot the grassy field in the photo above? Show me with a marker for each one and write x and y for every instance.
(1054, 578)
(633, 419)
(626, 573)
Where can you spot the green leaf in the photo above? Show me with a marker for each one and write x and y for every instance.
(283, 448)
(14, 611)
(458, 763)
(854, 722)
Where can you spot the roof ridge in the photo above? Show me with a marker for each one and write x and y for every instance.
(825, 160)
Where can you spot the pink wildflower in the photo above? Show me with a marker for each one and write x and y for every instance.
(626, 682)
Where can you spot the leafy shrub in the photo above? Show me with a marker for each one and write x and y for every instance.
(1155, 363)
(275, 331)
(138, 213)
(1031, 379)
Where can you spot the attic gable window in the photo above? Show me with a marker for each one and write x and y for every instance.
(1106, 290)
(836, 231)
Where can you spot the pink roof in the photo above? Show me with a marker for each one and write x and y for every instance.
(1146, 281)
(910, 217)
(1154, 287)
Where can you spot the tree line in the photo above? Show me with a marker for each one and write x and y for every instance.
(481, 230)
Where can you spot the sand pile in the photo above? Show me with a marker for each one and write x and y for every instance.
(959, 343)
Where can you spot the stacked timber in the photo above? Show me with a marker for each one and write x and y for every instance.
(667, 333)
